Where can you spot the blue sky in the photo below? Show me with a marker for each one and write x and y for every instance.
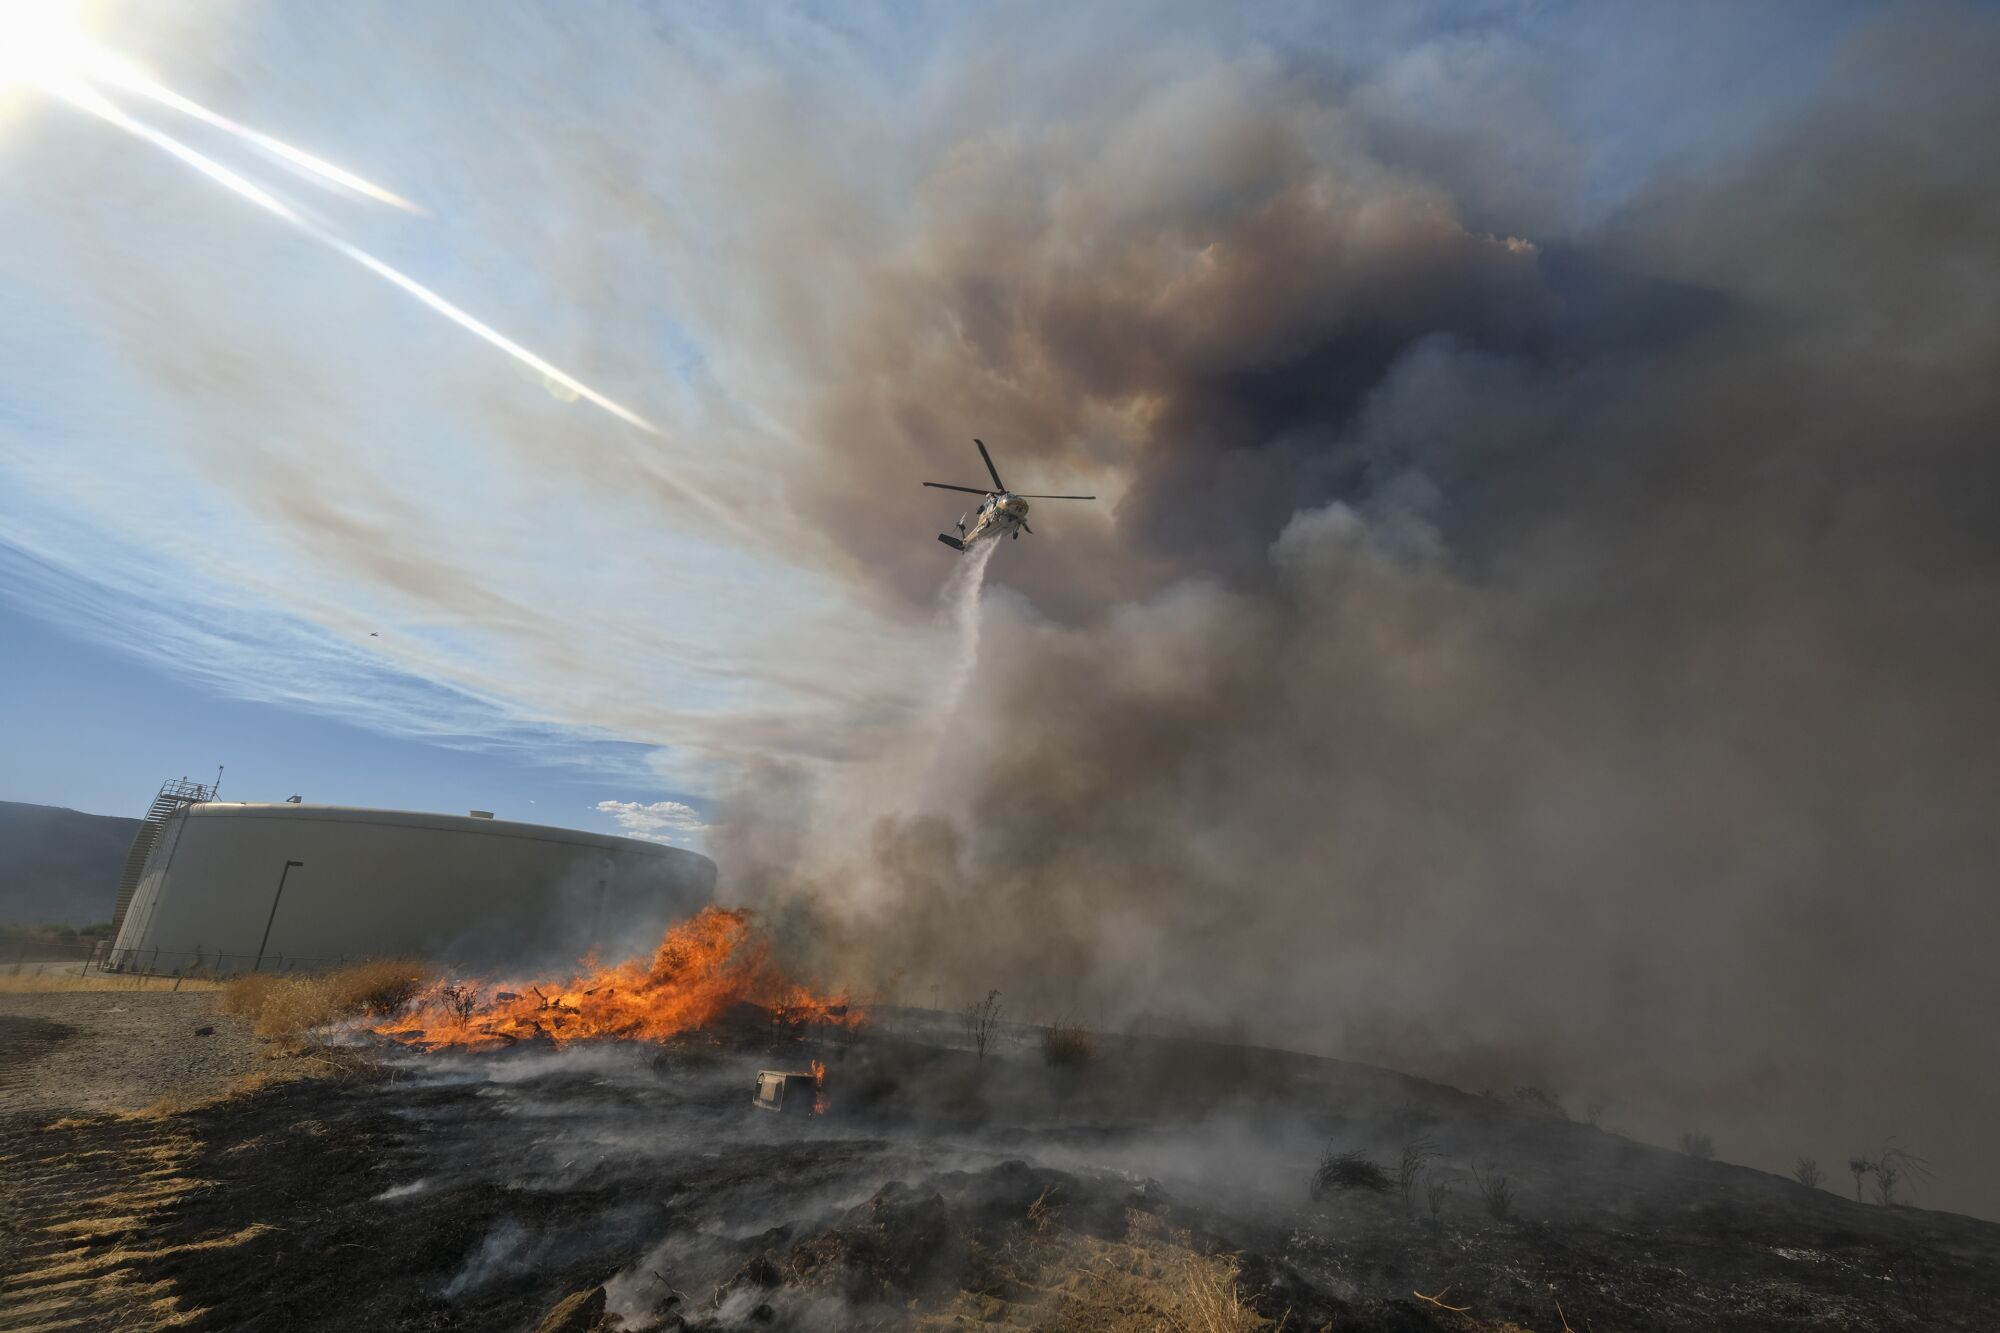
(259, 508)
(99, 728)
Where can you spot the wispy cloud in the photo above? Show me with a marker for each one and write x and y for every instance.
(232, 459)
(661, 821)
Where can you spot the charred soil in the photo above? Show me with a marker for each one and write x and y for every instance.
(1162, 1184)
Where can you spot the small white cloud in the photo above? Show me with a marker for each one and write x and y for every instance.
(662, 821)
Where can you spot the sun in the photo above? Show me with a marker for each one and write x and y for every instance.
(42, 42)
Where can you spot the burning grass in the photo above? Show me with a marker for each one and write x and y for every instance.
(287, 1007)
(714, 962)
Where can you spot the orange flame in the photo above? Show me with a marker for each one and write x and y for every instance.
(819, 1087)
(707, 965)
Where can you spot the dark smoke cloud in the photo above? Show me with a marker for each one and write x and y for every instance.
(1567, 659)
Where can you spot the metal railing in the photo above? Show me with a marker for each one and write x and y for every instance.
(174, 793)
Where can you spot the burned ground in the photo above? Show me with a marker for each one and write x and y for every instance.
(1163, 1184)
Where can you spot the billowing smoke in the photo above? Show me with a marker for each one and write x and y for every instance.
(1543, 621)
(1563, 660)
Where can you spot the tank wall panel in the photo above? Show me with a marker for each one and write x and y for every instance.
(475, 892)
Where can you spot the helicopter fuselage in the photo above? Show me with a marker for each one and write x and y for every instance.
(1001, 514)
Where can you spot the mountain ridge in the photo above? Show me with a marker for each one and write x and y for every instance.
(59, 866)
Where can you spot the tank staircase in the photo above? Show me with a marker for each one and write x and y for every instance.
(173, 794)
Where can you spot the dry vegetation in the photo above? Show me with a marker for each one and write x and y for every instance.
(981, 1020)
(1151, 1279)
(287, 1007)
(1066, 1043)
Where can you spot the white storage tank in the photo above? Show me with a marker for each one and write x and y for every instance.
(231, 887)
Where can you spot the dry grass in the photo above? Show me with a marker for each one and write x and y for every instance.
(1211, 1299)
(288, 1007)
(1153, 1279)
(1068, 1044)
(31, 981)
(80, 1245)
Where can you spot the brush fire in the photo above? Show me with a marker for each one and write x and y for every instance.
(713, 967)
(566, 1176)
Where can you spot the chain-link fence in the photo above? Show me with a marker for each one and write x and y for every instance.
(201, 962)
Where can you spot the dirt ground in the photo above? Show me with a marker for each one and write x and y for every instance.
(1163, 1185)
(119, 1050)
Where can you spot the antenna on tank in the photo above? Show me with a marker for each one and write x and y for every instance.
(216, 790)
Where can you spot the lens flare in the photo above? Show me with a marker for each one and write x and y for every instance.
(109, 69)
(87, 98)
(44, 46)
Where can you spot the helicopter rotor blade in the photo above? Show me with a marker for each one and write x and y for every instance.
(969, 490)
(1058, 497)
(992, 471)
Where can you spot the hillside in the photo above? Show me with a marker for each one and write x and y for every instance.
(59, 866)
(1146, 1183)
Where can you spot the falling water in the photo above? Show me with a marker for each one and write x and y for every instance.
(958, 607)
(958, 616)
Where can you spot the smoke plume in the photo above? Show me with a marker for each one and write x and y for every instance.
(1542, 622)
(1560, 659)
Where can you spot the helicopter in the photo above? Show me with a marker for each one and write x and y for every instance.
(1001, 514)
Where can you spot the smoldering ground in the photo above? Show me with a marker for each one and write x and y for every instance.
(1561, 659)
(480, 1190)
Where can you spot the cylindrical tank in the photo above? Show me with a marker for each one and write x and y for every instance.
(231, 887)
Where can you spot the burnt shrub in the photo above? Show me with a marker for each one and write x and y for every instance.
(1435, 1193)
(981, 1020)
(1348, 1171)
(1068, 1045)
(1495, 1190)
(1410, 1165)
